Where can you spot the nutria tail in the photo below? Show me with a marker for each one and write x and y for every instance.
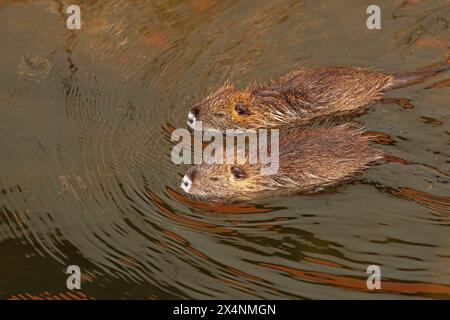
(403, 79)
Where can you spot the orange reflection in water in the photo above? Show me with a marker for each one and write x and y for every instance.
(440, 84)
(436, 203)
(359, 284)
(70, 295)
(434, 42)
(394, 159)
(405, 103)
(185, 243)
(193, 223)
(379, 137)
(241, 285)
(216, 207)
(224, 278)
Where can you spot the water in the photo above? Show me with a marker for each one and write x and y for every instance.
(86, 176)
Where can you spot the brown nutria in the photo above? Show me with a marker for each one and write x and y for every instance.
(309, 159)
(299, 97)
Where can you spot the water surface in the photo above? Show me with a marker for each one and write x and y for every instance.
(86, 176)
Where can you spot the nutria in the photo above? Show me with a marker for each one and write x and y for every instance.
(309, 160)
(299, 97)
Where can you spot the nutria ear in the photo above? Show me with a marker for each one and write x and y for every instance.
(242, 109)
(238, 172)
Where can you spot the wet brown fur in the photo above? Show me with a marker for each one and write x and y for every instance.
(300, 96)
(310, 159)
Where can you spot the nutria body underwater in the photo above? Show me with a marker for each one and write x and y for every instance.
(300, 97)
(309, 160)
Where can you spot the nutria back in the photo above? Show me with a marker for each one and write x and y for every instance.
(309, 160)
(325, 91)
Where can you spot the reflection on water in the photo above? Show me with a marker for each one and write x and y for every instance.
(86, 176)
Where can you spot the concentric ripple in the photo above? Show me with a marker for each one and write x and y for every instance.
(86, 176)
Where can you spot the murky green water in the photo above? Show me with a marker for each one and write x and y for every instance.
(86, 176)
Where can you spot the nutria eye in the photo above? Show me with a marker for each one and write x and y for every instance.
(214, 179)
(238, 172)
(241, 109)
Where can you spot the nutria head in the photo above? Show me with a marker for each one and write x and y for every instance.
(223, 182)
(229, 108)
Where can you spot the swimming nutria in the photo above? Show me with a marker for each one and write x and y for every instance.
(309, 159)
(300, 96)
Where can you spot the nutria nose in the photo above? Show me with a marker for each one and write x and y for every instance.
(186, 184)
(190, 118)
